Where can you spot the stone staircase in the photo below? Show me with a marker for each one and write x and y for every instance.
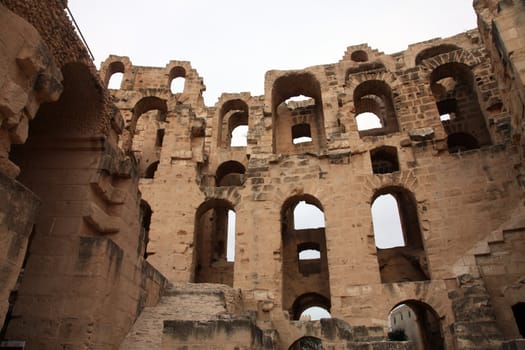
(189, 302)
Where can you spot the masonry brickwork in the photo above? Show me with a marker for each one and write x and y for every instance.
(118, 202)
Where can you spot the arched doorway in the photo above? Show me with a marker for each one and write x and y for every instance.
(419, 322)
(307, 343)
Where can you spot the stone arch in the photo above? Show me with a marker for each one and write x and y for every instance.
(387, 85)
(307, 342)
(284, 117)
(375, 96)
(420, 322)
(307, 300)
(210, 263)
(455, 92)
(231, 114)
(176, 72)
(459, 56)
(406, 262)
(433, 51)
(230, 173)
(143, 105)
(114, 64)
(193, 84)
(302, 277)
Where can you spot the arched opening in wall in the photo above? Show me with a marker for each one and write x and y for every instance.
(307, 215)
(150, 171)
(214, 242)
(63, 151)
(307, 343)
(447, 109)
(177, 78)
(115, 81)
(304, 254)
(359, 56)
(145, 222)
(454, 89)
(417, 322)
(239, 137)
(368, 121)
(435, 51)
(230, 173)
(233, 124)
(309, 258)
(374, 108)
(400, 251)
(114, 75)
(145, 133)
(384, 160)
(307, 302)
(518, 310)
(386, 221)
(298, 119)
(301, 133)
(461, 142)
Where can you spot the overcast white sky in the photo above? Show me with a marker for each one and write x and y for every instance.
(233, 43)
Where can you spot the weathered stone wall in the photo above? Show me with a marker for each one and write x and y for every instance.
(85, 279)
(454, 192)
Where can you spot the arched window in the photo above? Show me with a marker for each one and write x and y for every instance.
(359, 56)
(298, 114)
(435, 51)
(368, 121)
(307, 343)
(384, 160)
(309, 300)
(306, 215)
(400, 252)
(388, 232)
(454, 89)
(460, 142)
(115, 81)
(315, 313)
(309, 258)
(301, 133)
(144, 133)
(304, 258)
(417, 322)
(374, 106)
(233, 124)
(230, 173)
(177, 78)
(239, 136)
(114, 75)
(214, 242)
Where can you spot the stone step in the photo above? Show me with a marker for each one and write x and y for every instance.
(193, 302)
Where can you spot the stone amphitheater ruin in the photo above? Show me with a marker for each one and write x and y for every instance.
(117, 205)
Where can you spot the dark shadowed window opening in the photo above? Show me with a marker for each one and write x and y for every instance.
(460, 142)
(384, 160)
(160, 138)
(150, 170)
(519, 315)
(447, 109)
(301, 133)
